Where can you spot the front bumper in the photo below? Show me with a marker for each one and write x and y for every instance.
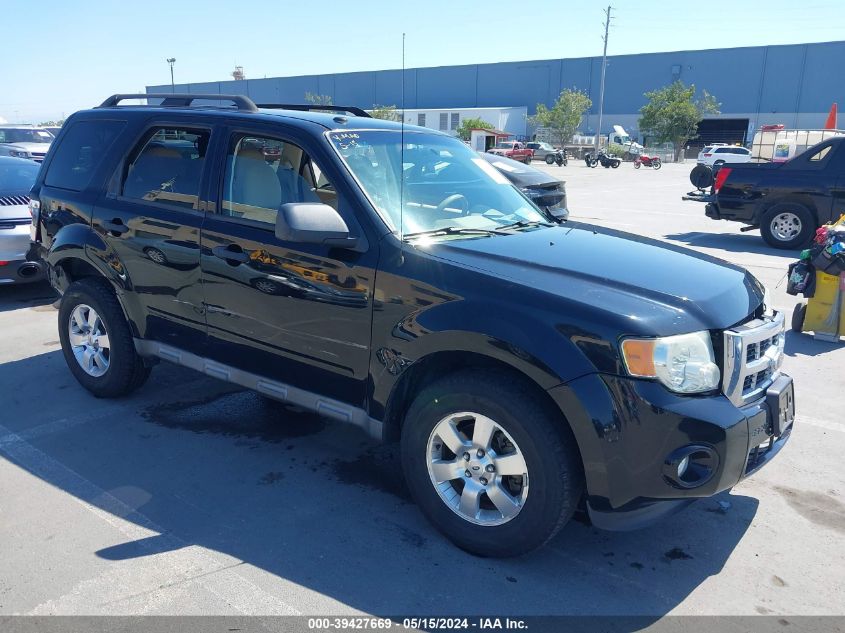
(633, 433)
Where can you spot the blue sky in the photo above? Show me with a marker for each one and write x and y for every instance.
(71, 55)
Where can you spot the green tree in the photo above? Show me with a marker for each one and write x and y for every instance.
(564, 117)
(315, 99)
(672, 114)
(468, 125)
(386, 112)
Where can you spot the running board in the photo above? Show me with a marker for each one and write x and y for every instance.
(326, 407)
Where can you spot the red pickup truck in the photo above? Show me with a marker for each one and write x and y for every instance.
(513, 150)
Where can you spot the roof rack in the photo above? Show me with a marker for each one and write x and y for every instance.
(315, 108)
(177, 100)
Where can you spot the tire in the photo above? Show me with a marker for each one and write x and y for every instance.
(787, 225)
(527, 160)
(523, 428)
(565, 162)
(615, 164)
(111, 373)
(636, 164)
(657, 164)
(550, 159)
(798, 315)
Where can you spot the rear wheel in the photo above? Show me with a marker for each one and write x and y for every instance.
(488, 465)
(787, 225)
(615, 164)
(96, 341)
(798, 315)
(550, 159)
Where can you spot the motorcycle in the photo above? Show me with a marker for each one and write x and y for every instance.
(647, 161)
(606, 161)
(558, 157)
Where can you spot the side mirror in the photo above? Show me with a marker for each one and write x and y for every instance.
(313, 223)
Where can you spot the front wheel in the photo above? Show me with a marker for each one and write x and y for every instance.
(488, 464)
(96, 341)
(636, 164)
(615, 164)
(787, 225)
(527, 160)
(657, 164)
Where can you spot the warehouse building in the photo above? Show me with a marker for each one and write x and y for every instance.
(792, 84)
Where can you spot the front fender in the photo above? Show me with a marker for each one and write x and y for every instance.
(521, 339)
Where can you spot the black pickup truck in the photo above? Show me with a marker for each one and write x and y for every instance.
(788, 201)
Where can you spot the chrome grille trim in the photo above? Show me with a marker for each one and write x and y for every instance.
(14, 201)
(752, 358)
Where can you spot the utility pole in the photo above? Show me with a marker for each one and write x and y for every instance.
(603, 69)
(172, 60)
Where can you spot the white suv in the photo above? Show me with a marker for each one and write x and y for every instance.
(719, 154)
(24, 141)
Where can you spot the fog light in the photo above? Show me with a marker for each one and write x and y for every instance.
(690, 466)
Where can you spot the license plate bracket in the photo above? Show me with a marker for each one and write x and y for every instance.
(780, 400)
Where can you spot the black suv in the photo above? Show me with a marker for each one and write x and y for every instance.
(388, 277)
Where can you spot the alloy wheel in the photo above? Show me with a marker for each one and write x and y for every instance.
(89, 340)
(477, 469)
(786, 226)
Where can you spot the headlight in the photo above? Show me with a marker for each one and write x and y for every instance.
(684, 363)
(18, 153)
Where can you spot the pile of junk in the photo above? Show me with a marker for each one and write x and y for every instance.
(819, 275)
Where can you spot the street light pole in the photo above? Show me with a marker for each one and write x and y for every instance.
(603, 69)
(171, 61)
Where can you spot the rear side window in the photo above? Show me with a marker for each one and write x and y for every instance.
(167, 167)
(80, 153)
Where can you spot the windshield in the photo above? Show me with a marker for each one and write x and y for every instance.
(504, 145)
(442, 183)
(25, 135)
(17, 175)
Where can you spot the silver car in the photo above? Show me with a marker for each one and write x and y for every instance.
(17, 175)
(25, 141)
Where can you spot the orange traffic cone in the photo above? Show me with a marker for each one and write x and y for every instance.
(830, 124)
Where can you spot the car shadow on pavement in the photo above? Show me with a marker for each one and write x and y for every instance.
(737, 243)
(316, 503)
(26, 296)
(803, 344)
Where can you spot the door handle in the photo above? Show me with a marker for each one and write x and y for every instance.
(231, 253)
(115, 227)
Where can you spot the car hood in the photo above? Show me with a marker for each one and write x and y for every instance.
(653, 288)
(40, 148)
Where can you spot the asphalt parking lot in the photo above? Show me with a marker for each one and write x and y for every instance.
(194, 497)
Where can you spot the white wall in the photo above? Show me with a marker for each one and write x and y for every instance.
(511, 120)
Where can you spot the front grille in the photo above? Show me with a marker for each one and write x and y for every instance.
(38, 157)
(14, 201)
(753, 353)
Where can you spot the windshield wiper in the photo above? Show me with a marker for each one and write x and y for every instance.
(451, 230)
(521, 224)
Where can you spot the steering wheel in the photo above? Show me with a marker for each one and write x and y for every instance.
(455, 197)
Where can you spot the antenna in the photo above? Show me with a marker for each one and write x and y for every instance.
(402, 150)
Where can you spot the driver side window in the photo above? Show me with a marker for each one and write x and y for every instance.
(263, 173)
